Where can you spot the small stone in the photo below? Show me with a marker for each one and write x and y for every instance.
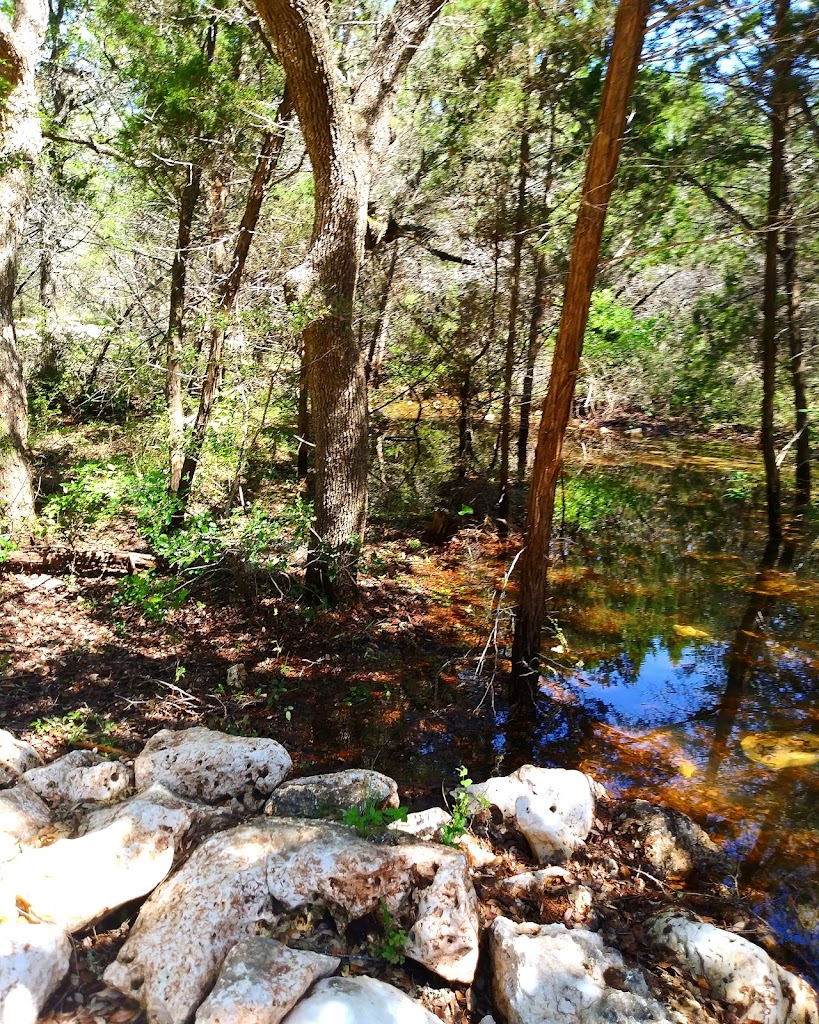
(327, 796)
(423, 824)
(359, 1001)
(16, 757)
(535, 883)
(261, 981)
(78, 777)
(22, 815)
(34, 959)
(672, 843)
(211, 766)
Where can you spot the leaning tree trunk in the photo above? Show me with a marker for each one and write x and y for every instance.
(20, 142)
(540, 303)
(346, 134)
(228, 291)
(776, 181)
(601, 167)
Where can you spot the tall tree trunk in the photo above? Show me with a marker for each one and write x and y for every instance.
(779, 112)
(512, 331)
(20, 143)
(346, 134)
(540, 303)
(189, 200)
(793, 295)
(601, 168)
(303, 425)
(228, 291)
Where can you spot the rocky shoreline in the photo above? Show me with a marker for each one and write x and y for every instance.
(196, 883)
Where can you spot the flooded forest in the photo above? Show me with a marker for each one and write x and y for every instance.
(429, 387)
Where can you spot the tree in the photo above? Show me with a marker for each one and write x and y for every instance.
(346, 132)
(20, 142)
(601, 168)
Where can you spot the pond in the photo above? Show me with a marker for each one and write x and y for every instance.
(684, 666)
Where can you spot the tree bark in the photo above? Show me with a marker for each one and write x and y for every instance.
(228, 290)
(512, 331)
(346, 134)
(540, 303)
(601, 168)
(793, 295)
(20, 144)
(779, 111)
(375, 356)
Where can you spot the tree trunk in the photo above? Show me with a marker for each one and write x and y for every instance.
(346, 134)
(228, 291)
(512, 332)
(20, 143)
(793, 295)
(771, 283)
(303, 426)
(375, 356)
(601, 167)
(189, 200)
(540, 303)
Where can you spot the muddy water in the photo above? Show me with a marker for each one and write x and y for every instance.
(683, 665)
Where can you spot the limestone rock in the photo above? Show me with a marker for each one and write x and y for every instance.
(22, 815)
(186, 928)
(546, 974)
(672, 843)
(16, 757)
(79, 777)
(212, 766)
(477, 856)
(423, 824)
(446, 934)
(358, 1001)
(535, 883)
(326, 796)
(75, 882)
(735, 969)
(552, 841)
(34, 959)
(261, 981)
(568, 794)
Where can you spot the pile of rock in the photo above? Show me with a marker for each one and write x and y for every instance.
(226, 852)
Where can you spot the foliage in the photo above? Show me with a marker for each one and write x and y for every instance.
(461, 809)
(371, 820)
(395, 939)
(154, 596)
(738, 486)
(78, 726)
(588, 501)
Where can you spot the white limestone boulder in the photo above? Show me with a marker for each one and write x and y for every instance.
(446, 934)
(212, 766)
(16, 757)
(327, 796)
(75, 882)
(358, 1001)
(186, 928)
(566, 793)
(34, 959)
(235, 879)
(551, 840)
(22, 815)
(735, 970)
(546, 974)
(261, 981)
(81, 776)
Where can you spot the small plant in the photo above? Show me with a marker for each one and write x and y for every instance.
(153, 596)
(78, 726)
(738, 487)
(395, 939)
(460, 809)
(372, 820)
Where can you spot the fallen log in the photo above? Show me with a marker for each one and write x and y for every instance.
(76, 560)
